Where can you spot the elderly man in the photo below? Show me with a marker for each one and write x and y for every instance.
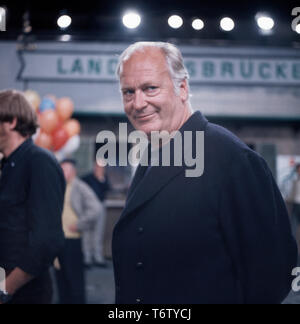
(223, 237)
(32, 189)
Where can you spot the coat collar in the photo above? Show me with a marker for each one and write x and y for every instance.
(16, 156)
(145, 188)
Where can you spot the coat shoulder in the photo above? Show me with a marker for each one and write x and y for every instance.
(38, 154)
(225, 145)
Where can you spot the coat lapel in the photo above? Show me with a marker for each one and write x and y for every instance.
(139, 174)
(149, 186)
(144, 188)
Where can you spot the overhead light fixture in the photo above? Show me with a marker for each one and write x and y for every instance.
(198, 24)
(65, 38)
(132, 20)
(175, 21)
(227, 24)
(264, 21)
(64, 21)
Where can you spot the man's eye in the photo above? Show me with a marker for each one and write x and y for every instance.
(151, 89)
(128, 92)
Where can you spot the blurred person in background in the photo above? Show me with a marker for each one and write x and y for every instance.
(32, 188)
(80, 212)
(93, 247)
(294, 200)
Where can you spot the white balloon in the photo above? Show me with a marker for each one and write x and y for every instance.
(37, 133)
(69, 148)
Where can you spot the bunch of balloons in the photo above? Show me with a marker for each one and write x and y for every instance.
(58, 132)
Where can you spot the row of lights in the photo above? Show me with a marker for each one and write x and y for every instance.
(132, 20)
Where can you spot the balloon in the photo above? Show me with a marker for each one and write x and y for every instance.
(44, 140)
(48, 121)
(59, 125)
(64, 108)
(36, 135)
(33, 98)
(69, 148)
(47, 103)
(72, 127)
(60, 138)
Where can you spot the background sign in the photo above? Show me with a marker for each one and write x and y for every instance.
(203, 69)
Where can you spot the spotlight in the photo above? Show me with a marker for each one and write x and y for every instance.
(66, 38)
(175, 21)
(131, 20)
(227, 24)
(198, 24)
(264, 22)
(64, 21)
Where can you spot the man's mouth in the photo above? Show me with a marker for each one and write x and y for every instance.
(145, 117)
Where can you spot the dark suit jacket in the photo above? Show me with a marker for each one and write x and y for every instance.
(221, 238)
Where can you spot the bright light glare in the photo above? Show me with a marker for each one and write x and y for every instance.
(265, 23)
(64, 21)
(298, 29)
(175, 21)
(66, 38)
(2, 13)
(131, 20)
(198, 24)
(227, 24)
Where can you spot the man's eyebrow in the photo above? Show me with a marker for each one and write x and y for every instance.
(150, 83)
(143, 85)
(127, 88)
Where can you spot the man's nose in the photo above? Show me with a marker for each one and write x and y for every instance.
(139, 100)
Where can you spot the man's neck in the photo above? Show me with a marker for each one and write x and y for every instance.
(14, 143)
(187, 115)
(188, 112)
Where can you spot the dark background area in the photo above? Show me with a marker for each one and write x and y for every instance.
(102, 20)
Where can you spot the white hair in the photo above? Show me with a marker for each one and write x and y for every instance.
(178, 71)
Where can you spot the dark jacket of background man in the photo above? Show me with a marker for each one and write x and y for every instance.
(100, 188)
(223, 237)
(32, 190)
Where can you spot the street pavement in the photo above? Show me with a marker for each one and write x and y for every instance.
(100, 286)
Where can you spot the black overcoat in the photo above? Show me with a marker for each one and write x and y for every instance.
(223, 237)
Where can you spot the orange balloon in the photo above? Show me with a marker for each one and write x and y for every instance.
(44, 140)
(48, 121)
(64, 108)
(60, 138)
(59, 125)
(72, 127)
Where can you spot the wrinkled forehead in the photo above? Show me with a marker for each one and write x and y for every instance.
(148, 60)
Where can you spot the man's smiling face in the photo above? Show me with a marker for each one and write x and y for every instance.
(149, 97)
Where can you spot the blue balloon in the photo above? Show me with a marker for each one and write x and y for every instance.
(46, 104)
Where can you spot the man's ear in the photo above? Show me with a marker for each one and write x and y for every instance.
(184, 91)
